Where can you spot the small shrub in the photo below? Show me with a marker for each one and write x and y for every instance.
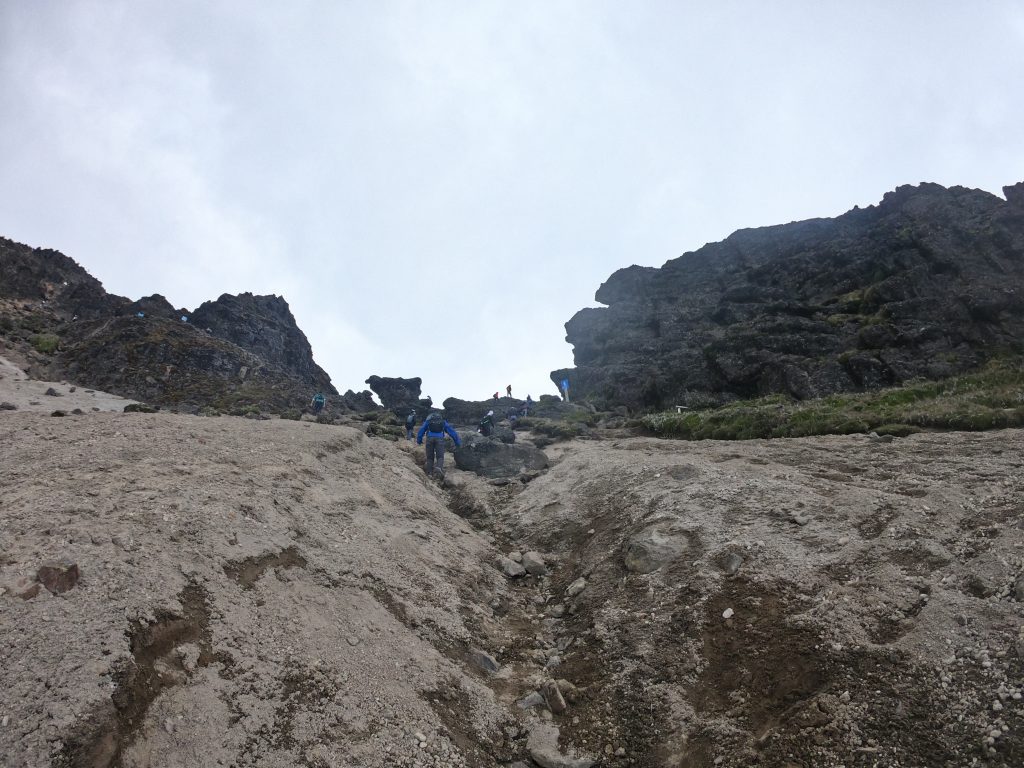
(47, 343)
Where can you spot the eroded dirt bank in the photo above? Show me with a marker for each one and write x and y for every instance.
(289, 594)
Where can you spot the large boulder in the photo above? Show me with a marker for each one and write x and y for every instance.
(489, 457)
(396, 392)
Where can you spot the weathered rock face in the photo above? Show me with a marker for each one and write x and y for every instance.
(490, 457)
(928, 283)
(396, 392)
(48, 280)
(264, 325)
(246, 352)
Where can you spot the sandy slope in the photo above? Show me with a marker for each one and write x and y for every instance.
(275, 593)
(26, 394)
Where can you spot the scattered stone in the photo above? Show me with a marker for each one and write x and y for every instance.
(620, 752)
(569, 691)
(531, 700)
(516, 556)
(845, 697)
(533, 562)
(1018, 588)
(553, 697)
(58, 413)
(556, 611)
(731, 564)
(553, 662)
(353, 641)
(842, 541)
(58, 576)
(727, 613)
(512, 569)
(484, 661)
(169, 725)
(874, 437)
(8, 407)
(576, 587)
(141, 408)
(51, 392)
(78, 412)
(542, 744)
(799, 519)
(24, 587)
(73, 389)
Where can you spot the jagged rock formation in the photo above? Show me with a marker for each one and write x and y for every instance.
(264, 325)
(400, 395)
(928, 283)
(237, 352)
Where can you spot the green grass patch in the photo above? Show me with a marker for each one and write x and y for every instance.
(992, 398)
(47, 343)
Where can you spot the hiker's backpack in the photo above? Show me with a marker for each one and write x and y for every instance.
(436, 423)
(410, 420)
(319, 399)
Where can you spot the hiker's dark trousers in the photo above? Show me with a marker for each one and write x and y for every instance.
(435, 455)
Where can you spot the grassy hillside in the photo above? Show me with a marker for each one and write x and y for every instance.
(992, 398)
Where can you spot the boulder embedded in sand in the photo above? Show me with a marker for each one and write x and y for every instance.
(489, 457)
(653, 547)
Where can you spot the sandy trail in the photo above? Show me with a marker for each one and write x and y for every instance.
(276, 593)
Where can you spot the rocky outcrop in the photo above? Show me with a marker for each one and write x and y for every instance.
(43, 280)
(929, 283)
(237, 353)
(400, 395)
(264, 325)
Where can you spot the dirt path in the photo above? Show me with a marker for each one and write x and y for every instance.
(273, 593)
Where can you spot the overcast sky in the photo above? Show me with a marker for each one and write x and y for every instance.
(437, 187)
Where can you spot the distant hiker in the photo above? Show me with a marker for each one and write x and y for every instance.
(565, 389)
(434, 427)
(512, 414)
(317, 403)
(486, 424)
(495, 395)
(527, 405)
(410, 423)
(508, 389)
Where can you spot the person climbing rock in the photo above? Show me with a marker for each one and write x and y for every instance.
(486, 424)
(317, 403)
(410, 424)
(495, 395)
(434, 427)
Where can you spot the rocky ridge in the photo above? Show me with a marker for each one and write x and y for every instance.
(928, 283)
(238, 352)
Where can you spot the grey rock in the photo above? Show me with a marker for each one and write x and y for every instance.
(531, 700)
(1018, 588)
(542, 744)
(512, 569)
(51, 392)
(731, 564)
(654, 547)
(491, 458)
(8, 407)
(484, 661)
(556, 611)
(533, 562)
(576, 587)
(553, 697)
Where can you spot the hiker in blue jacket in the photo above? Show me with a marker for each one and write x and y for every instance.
(434, 427)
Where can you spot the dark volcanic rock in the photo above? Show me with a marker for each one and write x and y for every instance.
(48, 280)
(396, 392)
(490, 457)
(360, 402)
(929, 283)
(235, 354)
(264, 325)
